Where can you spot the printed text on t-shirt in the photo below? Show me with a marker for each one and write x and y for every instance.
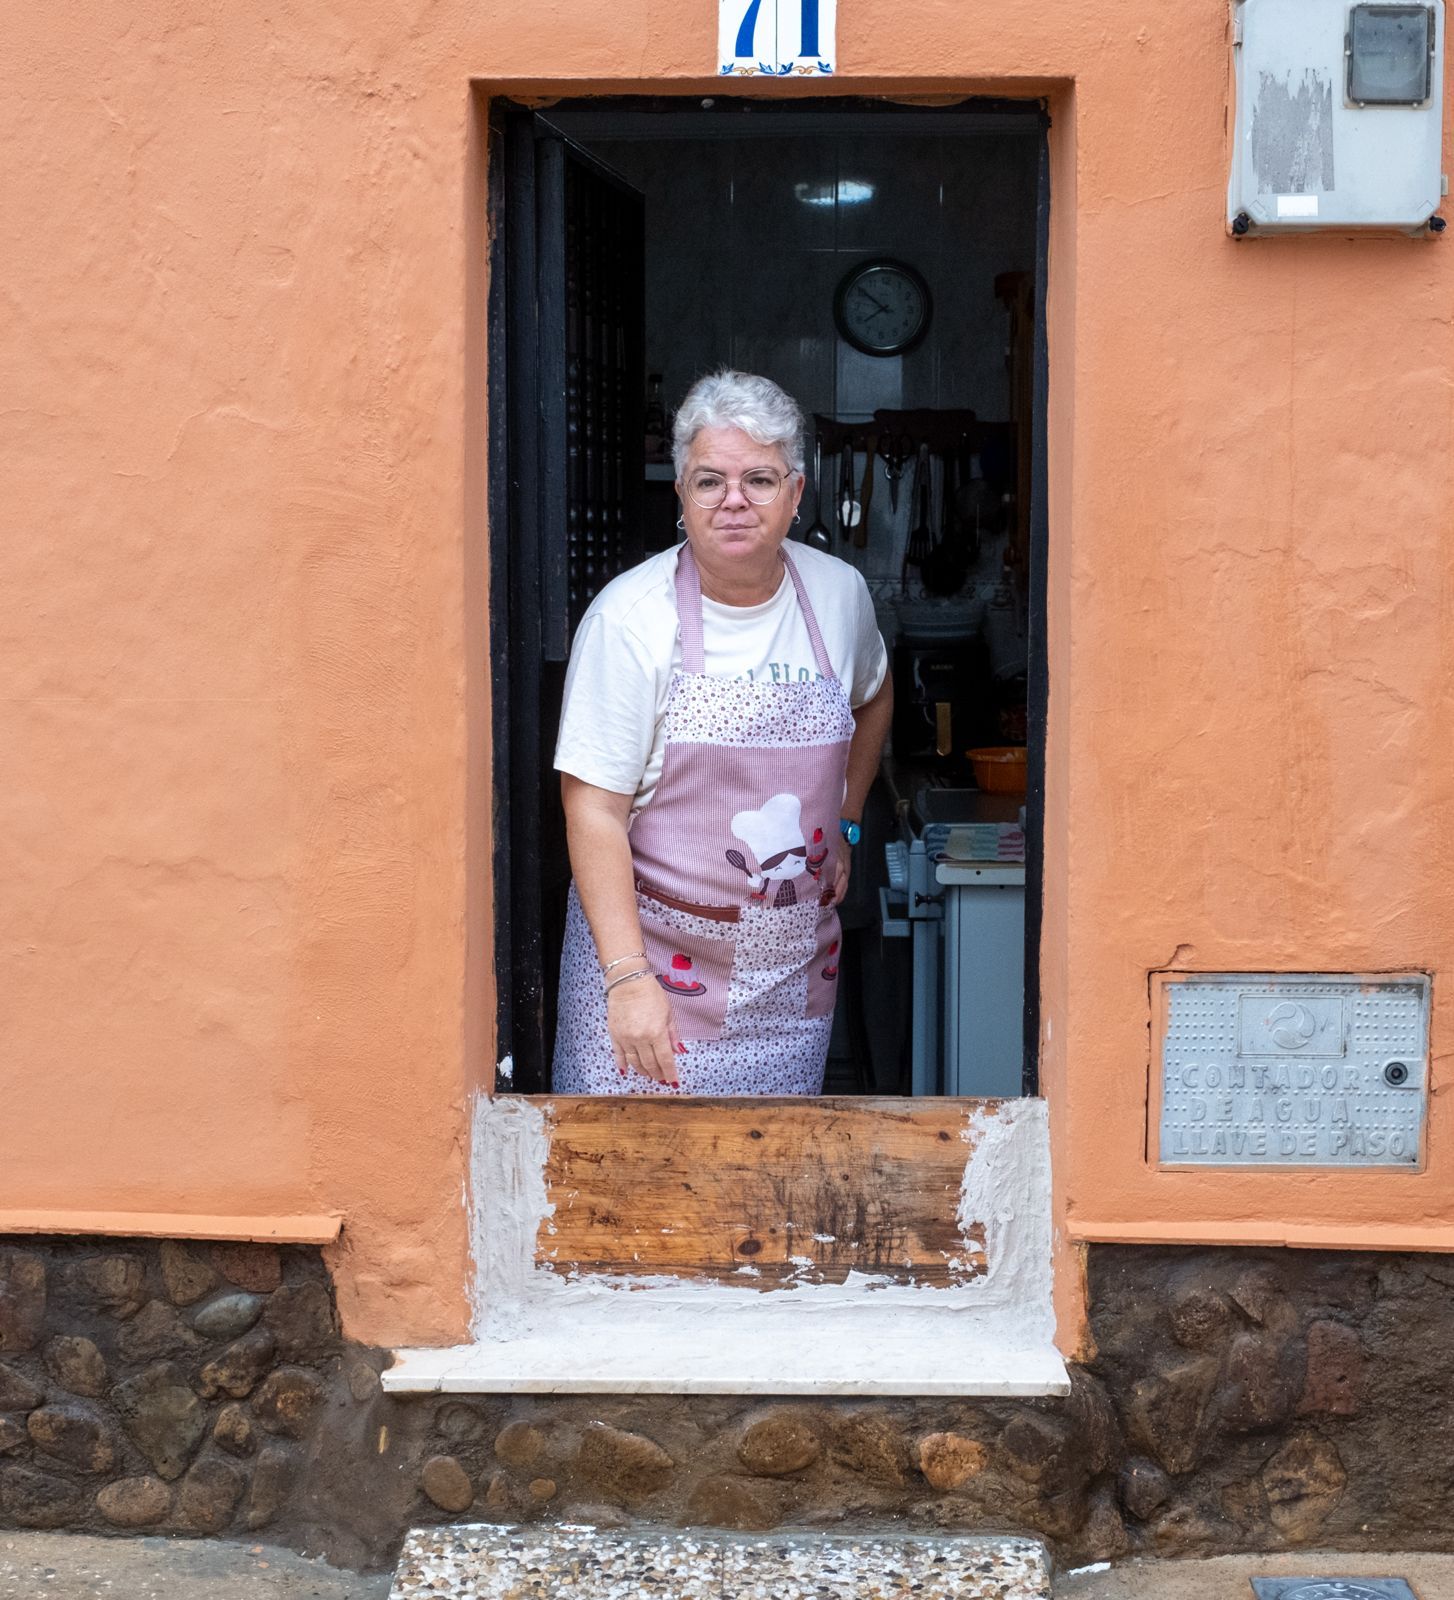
(779, 672)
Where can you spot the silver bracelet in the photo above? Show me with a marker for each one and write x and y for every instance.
(636, 955)
(628, 977)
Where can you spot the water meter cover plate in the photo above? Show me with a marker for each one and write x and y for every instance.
(1293, 1069)
(1332, 1589)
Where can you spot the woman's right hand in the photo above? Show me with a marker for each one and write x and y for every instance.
(639, 1021)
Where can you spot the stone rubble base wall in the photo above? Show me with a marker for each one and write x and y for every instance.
(1240, 1400)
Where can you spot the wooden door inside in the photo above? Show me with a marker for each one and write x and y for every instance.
(567, 332)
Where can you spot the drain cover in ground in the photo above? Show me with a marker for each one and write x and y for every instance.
(543, 1563)
(1332, 1589)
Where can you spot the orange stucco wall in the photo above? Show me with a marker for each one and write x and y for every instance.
(245, 819)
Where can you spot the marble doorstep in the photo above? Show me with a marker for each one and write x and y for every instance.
(914, 1353)
(487, 1562)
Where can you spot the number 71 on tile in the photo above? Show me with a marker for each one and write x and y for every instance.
(776, 38)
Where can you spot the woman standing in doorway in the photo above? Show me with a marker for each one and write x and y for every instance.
(725, 709)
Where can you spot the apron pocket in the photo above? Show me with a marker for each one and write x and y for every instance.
(770, 977)
(692, 958)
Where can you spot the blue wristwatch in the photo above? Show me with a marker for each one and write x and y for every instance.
(850, 830)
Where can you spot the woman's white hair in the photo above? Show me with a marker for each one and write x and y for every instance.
(764, 412)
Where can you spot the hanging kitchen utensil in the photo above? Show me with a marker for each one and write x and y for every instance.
(818, 535)
(895, 452)
(944, 570)
(920, 541)
(865, 495)
(921, 536)
(908, 536)
(847, 506)
(945, 517)
(969, 499)
(963, 478)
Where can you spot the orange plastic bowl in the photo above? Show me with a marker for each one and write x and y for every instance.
(999, 768)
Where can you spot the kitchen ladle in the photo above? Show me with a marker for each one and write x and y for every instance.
(818, 534)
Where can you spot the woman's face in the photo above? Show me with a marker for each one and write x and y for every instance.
(737, 532)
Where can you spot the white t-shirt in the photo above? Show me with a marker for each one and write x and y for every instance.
(627, 648)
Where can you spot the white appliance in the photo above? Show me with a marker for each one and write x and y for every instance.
(967, 921)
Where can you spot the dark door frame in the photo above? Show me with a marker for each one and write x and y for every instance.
(515, 618)
(1037, 656)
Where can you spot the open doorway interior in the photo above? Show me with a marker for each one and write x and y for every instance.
(668, 242)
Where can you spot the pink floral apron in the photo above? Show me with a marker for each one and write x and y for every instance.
(743, 826)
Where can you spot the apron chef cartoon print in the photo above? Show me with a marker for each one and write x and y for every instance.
(734, 859)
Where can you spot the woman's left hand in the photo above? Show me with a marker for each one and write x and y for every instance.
(842, 870)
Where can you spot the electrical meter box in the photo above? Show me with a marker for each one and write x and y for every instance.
(1339, 115)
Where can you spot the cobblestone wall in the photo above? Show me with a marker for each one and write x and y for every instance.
(161, 1386)
(1239, 1400)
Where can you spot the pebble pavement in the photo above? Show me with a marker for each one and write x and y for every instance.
(79, 1566)
(495, 1563)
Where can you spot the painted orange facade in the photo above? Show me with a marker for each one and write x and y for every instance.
(246, 816)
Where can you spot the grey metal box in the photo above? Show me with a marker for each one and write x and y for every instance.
(1305, 154)
(1292, 1069)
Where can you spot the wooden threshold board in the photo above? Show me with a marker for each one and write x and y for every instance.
(760, 1193)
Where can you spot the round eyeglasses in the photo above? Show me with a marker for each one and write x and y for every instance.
(761, 486)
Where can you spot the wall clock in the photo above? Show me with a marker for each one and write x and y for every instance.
(883, 307)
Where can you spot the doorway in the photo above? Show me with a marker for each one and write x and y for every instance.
(638, 244)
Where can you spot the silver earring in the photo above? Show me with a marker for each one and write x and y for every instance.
(797, 518)
(681, 524)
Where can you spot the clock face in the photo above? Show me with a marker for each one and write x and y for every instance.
(882, 308)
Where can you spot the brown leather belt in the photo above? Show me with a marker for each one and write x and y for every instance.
(711, 913)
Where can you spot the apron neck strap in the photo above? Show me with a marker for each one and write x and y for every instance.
(689, 613)
(820, 652)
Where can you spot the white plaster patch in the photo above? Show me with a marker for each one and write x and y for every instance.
(509, 1146)
(1006, 1188)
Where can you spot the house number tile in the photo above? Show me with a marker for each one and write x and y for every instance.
(776, 38)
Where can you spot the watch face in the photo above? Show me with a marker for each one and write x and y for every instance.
(882, 308)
